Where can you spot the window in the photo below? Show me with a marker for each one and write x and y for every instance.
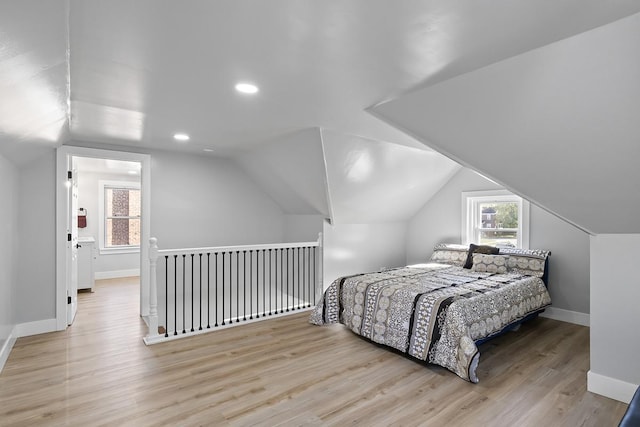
(120, 204)
(496, 218)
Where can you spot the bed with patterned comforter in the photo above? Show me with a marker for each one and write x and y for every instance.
(432, 312)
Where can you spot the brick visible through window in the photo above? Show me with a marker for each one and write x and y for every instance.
(122, 216)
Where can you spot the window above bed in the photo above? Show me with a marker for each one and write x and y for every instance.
(496, 218)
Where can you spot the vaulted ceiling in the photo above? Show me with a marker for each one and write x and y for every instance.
(347, 178)
(134, 72)
(559, 125)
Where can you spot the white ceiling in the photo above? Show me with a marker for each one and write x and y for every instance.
(347, 178)
(134, 72)
(141, 70)
(34, 66)
(377, 182)
(107, 166)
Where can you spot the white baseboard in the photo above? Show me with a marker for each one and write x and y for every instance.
(35, 328)
(116, 274)
(566, 316)
(610, 387)
(24, 330)
(6, 348)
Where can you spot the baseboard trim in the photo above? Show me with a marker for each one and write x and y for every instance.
(610, 387)
(116, 274)
(6, 348)
(566, 316)
(35, 328)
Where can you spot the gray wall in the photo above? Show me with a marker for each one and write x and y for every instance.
(8, 242)
(195, 200)
(36, 244)
(441, 218)
(359, 248)
(208, 201)
(302, 228)
(569, 275)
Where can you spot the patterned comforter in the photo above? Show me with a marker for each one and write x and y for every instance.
(433, 312)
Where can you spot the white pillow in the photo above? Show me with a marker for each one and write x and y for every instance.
(490, 263)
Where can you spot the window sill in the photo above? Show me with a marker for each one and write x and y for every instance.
(117, 251)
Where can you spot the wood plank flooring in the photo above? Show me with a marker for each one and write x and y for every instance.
(286, 372)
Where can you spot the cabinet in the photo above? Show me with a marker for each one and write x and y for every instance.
(86, 256)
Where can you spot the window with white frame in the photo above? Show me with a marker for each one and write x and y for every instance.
(496, 218)
(120, 209)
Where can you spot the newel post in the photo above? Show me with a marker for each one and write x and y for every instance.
(320, 284)
(153, 291)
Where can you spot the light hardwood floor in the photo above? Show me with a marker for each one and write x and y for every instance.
(286, 372)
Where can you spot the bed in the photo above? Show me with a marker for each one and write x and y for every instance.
(440, 311)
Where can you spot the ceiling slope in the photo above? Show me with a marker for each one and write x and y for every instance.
(33, 77)
(143, 70)
(292, 171)
(375, 182)
(350, 179)
(559, 125)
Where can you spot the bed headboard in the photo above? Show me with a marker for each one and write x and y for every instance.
(537, 260)
(545, 276)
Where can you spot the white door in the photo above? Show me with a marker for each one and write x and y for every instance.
(72, 244)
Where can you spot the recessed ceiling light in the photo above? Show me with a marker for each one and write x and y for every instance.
(181, 137)
(247, 88)
(208, 150)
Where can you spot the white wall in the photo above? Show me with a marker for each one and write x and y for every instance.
(439, 221)
(615, 318)
(36, 243)
(88, 195)
(208, 201)
(8, 253)
(361, 248)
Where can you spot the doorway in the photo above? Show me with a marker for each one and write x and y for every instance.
(108, 219)
(124, 175)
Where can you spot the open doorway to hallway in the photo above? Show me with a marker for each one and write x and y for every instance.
(109, 220)
(112, 304)
(103, 223)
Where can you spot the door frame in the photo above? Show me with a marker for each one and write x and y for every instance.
(72, 245)
(63, 153)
